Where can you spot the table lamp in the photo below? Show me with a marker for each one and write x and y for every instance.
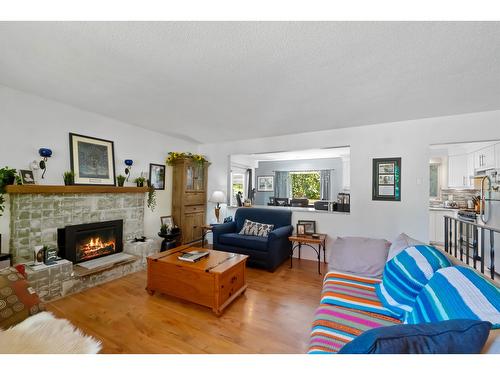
(217, 197)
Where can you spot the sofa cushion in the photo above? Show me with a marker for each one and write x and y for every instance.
(239, 240)
(18, 300)
(359, 255)
(449, 337)
(401, 242)
(334, 326)
(276, 216)
(252, 228)
(351, 291)
(457, 293)
(405, 276)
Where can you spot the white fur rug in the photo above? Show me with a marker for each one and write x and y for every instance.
(43, 333)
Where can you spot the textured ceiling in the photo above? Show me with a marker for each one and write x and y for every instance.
(219, 81)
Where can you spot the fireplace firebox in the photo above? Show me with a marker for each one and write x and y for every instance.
(80, 243)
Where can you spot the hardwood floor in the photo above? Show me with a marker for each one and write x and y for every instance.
(273, 316)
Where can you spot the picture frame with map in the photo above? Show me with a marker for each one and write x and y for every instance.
(92, 160)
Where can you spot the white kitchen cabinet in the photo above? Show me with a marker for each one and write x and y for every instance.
(436, 224)
(470, 170)
(484, 158)
(458, 175)
(497, 155)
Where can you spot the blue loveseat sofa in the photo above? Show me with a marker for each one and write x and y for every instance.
(266, 252)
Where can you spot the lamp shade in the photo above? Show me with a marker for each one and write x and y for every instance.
(218, 197)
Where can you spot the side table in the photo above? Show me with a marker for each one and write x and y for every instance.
(206, 229)
(308, 240)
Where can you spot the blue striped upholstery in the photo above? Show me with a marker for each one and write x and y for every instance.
(406, 274)
(457, 293)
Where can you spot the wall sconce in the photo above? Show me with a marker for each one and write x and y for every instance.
(128, 163)
(45, 153)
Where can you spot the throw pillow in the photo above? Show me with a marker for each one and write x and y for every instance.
(359, 255)
(402, 242)
(405, 276)
(17, 299)
(252, 228)
(460, 336)
(457, 293)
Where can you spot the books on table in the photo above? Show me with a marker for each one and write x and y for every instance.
(193, 256)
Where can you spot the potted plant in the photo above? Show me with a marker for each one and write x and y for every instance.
(7, 177)
(69, 178)
(163, 230)
(140, 181)
(151, 197)
(120, 179)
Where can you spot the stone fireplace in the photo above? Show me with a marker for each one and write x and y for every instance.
(84, 225)
(36, 218)
(83, 242)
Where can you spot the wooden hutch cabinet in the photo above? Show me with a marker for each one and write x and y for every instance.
(189, 198)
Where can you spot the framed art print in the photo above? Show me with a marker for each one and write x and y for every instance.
(157, 176)
(309, 226)
(92, 160)
(265, 183)
(27, 177)
(386, 184)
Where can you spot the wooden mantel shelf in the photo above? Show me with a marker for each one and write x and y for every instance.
(73, 189)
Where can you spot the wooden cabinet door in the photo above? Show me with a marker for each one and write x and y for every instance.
(193, 223)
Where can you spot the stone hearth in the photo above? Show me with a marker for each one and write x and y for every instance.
(59, 280)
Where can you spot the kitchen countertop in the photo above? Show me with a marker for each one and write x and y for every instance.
(431, 208)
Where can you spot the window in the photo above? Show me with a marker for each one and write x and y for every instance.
(434, 180)
(306, 185)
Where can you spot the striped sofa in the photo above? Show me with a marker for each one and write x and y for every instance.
(349, 306)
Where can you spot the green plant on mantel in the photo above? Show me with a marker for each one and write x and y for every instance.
(173, 156)
(69, 178)
(139, 181)
(8, 176)
(120, 179)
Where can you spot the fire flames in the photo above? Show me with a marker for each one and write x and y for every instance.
(96, 247)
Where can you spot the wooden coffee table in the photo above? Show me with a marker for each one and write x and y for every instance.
(214, 281)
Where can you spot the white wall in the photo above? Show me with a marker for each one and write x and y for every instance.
(29, 122)
(409, 140)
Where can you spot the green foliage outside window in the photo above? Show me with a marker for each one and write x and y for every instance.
(305, 185)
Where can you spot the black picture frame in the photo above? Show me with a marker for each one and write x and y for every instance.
(301, 229)
(309, 226)
(153, 182)
(27, 177)
(386, 182)
(80, 178)
(265, 183)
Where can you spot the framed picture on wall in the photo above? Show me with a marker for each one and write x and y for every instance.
(265, 183)
(386, 183)
(157, 176)
(92, 160)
